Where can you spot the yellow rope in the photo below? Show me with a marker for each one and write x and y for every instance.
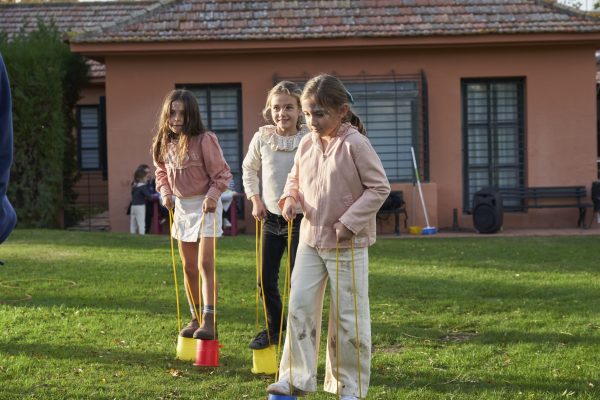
(288, 286)
(337, 318)
(262, 286)
(201, 314)
(337, 324)
(214, 275)
(174, 271)
(256, 232)
(186, 280)
(356, 321)
(286, 289)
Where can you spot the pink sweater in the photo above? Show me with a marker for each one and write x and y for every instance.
(347, 183)
(203, 172)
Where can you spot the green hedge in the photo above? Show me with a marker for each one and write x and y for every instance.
(46, 80)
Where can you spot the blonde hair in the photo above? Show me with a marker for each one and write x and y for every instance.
(283, 87)
(192, 125)
(331, 94)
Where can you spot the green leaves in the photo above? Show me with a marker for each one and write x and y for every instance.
(46, 79)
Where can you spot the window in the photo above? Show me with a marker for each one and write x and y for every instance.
(220, 108)
(90, 138)
(390, 112)
(493, 136)
(393, 108)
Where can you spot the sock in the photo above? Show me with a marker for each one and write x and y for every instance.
(192, 311)
(208, 309)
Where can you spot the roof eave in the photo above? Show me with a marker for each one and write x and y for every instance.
(98, 50)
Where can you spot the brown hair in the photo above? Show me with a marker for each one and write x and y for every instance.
(331, 94)
(283, 87)
(139, 174)
(192, 125)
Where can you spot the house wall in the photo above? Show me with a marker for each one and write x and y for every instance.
(560, 112)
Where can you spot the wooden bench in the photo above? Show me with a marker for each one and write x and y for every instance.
(395, 211)
(520, 199)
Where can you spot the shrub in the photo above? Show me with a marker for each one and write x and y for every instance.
(46, 79)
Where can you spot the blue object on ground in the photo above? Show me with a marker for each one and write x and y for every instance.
(281, 397)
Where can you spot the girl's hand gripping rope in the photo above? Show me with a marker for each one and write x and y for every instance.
(289, 209)
(168, 202)
(209, 205)
(342, 233)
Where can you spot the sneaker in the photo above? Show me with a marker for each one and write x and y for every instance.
(349, 398)
(261, 340)
(282, 388)
(189, 329)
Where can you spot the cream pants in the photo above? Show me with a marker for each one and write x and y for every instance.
(313, 268)
(137, 219)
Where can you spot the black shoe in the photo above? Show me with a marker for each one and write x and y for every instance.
(261, 340)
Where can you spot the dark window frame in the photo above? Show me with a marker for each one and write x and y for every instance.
(208, 119)
(492, 126)
(100, 149)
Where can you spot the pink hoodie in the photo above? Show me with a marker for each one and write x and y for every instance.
(203, 172)
(347, 183)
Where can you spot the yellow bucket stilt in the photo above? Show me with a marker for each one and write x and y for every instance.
(186, 348)
(263, 361)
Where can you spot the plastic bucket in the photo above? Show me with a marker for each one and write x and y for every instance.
(430, 230)
(207, 353)
(414, 230)
(281, 397)
(186, 348)
(264, 361)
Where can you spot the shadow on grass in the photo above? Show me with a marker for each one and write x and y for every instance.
(229, 360)
(524, 254)
(508, 384)
(90, 354)
(491, 295)
(112, 241)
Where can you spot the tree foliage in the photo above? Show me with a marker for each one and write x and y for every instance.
(46, 79)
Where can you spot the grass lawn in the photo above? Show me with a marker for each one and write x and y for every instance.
(93, 316)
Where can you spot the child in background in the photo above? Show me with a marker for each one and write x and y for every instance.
(191, 174)
(339, 181)
(140, 194)
(227, 200)
(272, 151)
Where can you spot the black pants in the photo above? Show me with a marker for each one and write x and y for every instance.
(275, 231)
(149, 215)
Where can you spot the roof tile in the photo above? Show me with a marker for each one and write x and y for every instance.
(349, 18)
(200, 20)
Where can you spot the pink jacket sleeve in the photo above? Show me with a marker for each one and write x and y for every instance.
(376, 188)
(162, 179)
(216, 167)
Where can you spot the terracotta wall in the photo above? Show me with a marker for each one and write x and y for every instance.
(91, 94)
(560, 111)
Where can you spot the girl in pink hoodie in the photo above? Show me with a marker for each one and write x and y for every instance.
(340, 183)
(191, 175)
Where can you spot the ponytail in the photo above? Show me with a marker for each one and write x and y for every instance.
(356, 122)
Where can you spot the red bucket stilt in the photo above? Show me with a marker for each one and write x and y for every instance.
(207, 353)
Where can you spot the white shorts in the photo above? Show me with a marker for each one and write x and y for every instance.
(187, 222)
